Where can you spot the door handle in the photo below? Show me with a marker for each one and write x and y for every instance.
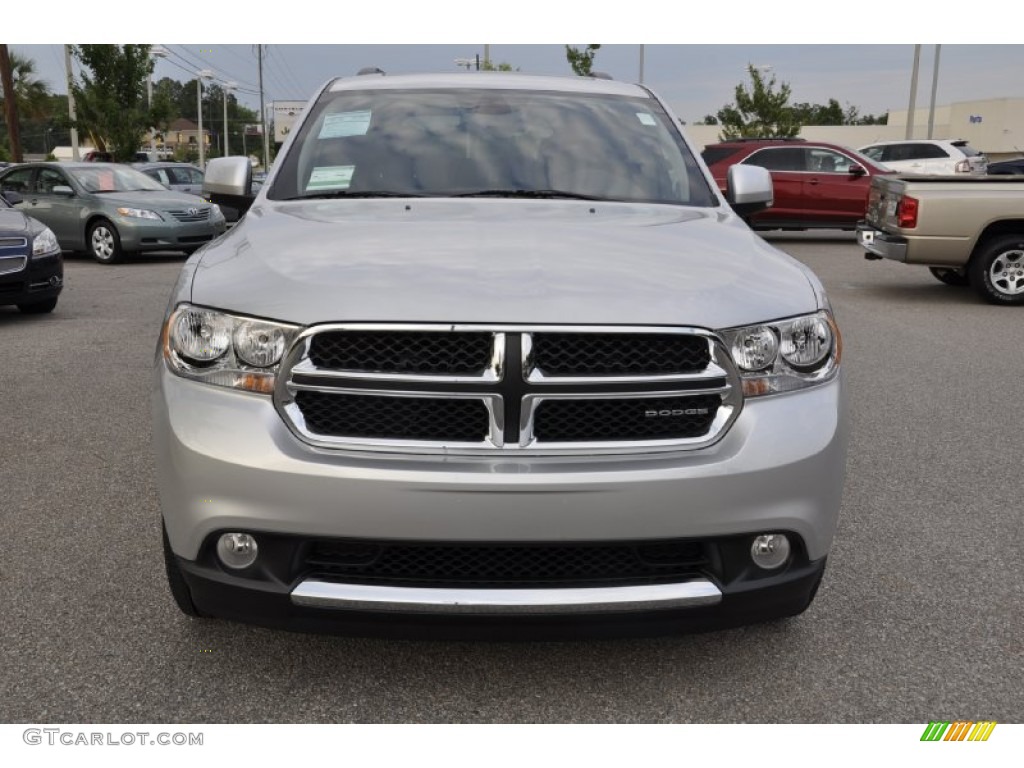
(813, 182)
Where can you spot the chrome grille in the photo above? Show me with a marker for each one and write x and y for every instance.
(11, 264)
(13, 243)
(198, 213)
(471, 389)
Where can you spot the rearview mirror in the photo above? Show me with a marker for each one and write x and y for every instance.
(63, 190)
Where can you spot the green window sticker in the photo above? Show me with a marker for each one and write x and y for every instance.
(345, 124)
(330, 177)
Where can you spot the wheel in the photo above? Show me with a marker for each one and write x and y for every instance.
(39, 307)
(997, 270)
(179, 588)
(104, 243)
(948, 276)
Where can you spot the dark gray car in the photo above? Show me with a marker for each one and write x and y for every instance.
(110, 210)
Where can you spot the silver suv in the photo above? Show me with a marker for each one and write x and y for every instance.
(492, 353)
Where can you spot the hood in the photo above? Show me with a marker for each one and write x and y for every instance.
(499, 261)
(14, 222)
(158, 200)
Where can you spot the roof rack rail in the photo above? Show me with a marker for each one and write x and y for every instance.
(371, 71)
(601, 76)
(765, 138)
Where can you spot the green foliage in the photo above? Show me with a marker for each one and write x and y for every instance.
(32, 95)
(708, 120)
(762, 111)
(111, 96)
(5, 155)
(581, 61)
(490, 66)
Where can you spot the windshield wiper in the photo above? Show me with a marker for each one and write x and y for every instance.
(347, 193)
(542, 194)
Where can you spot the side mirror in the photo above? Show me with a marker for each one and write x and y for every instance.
(857, 170)
(749, 189)
(63, 191)
(228, 176)
(14, 198)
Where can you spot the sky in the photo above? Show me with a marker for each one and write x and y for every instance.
(694, 56)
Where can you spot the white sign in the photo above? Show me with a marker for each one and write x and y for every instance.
(286, 114)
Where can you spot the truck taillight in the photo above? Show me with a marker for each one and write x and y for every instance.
(906, 213)
(964, 166)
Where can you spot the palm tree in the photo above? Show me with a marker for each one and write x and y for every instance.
(32, 95)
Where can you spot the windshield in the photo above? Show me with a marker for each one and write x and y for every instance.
(465, 142)
(114, 178)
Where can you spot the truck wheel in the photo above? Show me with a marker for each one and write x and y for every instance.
(948, 276)
(104, 243)
(179, 588)
(997, 270)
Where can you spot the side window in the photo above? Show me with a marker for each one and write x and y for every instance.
(178, 176)
(18, 181)
(48, 179)
(159, 174)
(779, 159)
(827, 161)
(195, 176)
(875, 153)
(931, 152)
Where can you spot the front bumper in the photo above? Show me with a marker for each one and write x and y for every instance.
(39, 279)
(147, 235)
(880, 243)
(226, 462)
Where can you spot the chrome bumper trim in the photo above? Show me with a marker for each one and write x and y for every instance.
(324, 594)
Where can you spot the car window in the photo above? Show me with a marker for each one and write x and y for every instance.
(875, 153)
(822, 160)
(966, 148)
(464, 141)
(927, 152)
(779, 159)
(19, 180)
(113, 178)
(712, 155)
(160, 175)
(195, 176)
(49, 178)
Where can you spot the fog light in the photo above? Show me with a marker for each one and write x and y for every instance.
(237, 550)
(770, 551)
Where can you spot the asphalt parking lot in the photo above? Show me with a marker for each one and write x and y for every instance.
(919, 617)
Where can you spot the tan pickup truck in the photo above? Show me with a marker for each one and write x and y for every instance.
(968, 231)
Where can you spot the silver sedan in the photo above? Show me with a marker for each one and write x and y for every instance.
(111, 210)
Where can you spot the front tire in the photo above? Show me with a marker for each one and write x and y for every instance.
(38, 307)
(954, 277)
(997, 270)
(105, 243)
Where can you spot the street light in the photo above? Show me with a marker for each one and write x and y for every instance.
(228, 87)
(202, 74)
(156, 52)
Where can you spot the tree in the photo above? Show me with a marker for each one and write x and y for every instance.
(581, 61)
(761, 112)
(708, 120)
(32, 94)
(111, 96)
(490, 66)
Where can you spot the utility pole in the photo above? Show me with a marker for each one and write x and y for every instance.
(228, 88)
(263, 115)
(913, 93)
(71, 105)
(935, 87)
(641, 65)
(10, 104)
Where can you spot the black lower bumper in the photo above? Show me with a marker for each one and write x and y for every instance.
(41, 279)
(223, 595)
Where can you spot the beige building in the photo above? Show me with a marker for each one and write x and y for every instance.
(994, 126)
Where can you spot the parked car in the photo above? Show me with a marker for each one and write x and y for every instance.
(111, 210)
(928, 157)
(817, 185)
(183, 177)
(1007, 167)
(495, 355)
(31, 267)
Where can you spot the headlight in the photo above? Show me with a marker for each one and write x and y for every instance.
(217, 211)
(139, 213)
(786, 354)
(225, 350)
(45, 243)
